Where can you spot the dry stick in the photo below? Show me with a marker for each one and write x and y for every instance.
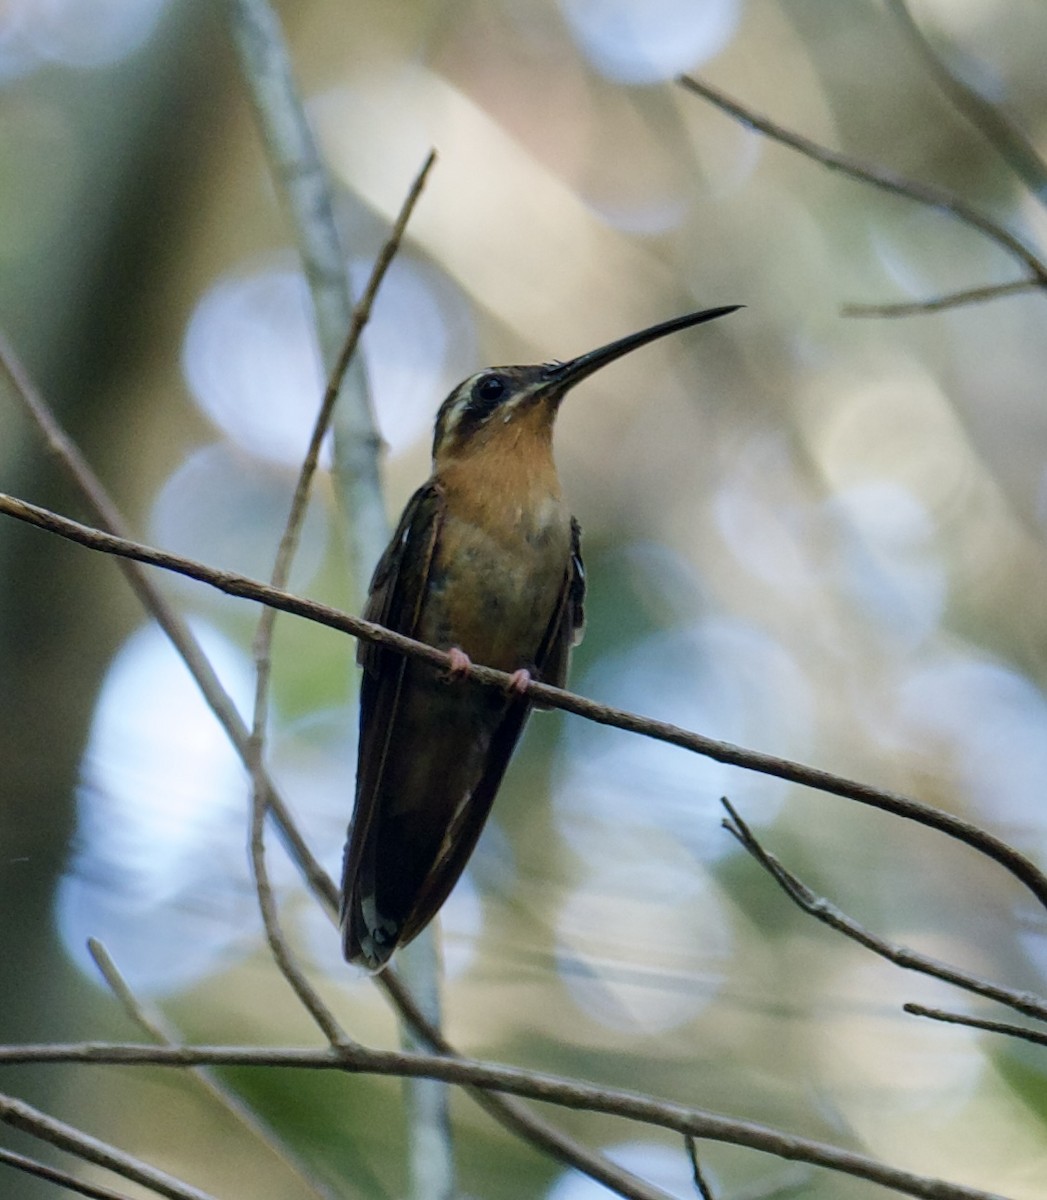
(302, 180)
(233, 584)
(157, 1027)
(30, 1166)
(1003, 134)
(514, 1116)
(701, 1185)
(157, 606)
(951, 1018)
(899, 185)
(303, 183)
(821, 909)
(289, 541)
(278, 945)
(977, 295)
(263, 638)
(553, 1089)
(20, 1115)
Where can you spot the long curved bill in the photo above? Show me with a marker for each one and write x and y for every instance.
(566, 375)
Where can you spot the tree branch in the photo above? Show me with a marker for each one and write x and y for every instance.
(822, 910)
(938, 198)
(511, 1114)
(1038, 1036)
(233, 584)
(551, 1089)
(1003, 134)
(20, 1115)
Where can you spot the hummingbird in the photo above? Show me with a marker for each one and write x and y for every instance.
(486, 564)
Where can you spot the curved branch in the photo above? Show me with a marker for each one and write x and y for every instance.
(822, 910)
(889, 181)
(233, 584)
(510, 1113)
(552, 1089)
(1003, 134)
(911, 308)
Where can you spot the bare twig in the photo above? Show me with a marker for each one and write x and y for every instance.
(701, 1185)
(889, 181)
(20, 1115)
(509, 1112)
(552, 1089)
(1038, 1036)
(298, 169)
(826, 912)
(977, 295)
(1003, 134)
(303, 181)
(29, 1166)
(158, 607)
(233, 584)
(158, 1028)
(281, 952)
(289, 541)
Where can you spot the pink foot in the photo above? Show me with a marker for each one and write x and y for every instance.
(520, 681)
(460, 663)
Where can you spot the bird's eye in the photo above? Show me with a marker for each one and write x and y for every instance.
(490, 389)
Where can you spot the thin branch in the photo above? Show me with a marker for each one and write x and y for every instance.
(553, 1089)
(510, 1113)
(30, 1166)
(289, 541)
(826, 912)
(20, 1115)
(157, 1027)
(283, 957)
(233, 584)
(514, 1116)
(303, 181)
(281, 951)
(889, 181)
(159, 608)
(298, 169)
(1038, 1036)
(976, 295)
(701, 1185)
(1003, 134)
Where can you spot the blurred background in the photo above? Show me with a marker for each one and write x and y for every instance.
(813, 535)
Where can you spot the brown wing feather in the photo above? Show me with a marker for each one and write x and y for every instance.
(411, 837)
(395, 599)
(564, 631)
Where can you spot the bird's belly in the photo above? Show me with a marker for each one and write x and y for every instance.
(493, 594)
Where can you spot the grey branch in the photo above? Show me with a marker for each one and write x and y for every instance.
(552, 1089)
(20, 1115)
(822, 910)
(233, 584)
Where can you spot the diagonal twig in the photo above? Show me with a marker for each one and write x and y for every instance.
(826, 912)
(30, 1166)
(234, 584)
(1038, 1036)
(20, 1115)
(880, 177)
(535, 1085)
(155, 1025)
(513, 1115)
(975, 295)
(1004, 135)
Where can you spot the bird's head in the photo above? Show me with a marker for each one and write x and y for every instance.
(493, 402)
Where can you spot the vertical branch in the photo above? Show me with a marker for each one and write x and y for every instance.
(297, 166)
(303, 181)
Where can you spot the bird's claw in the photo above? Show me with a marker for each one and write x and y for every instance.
(460, 663)
(520, 681)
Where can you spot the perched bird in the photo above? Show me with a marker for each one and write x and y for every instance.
(485, 563)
